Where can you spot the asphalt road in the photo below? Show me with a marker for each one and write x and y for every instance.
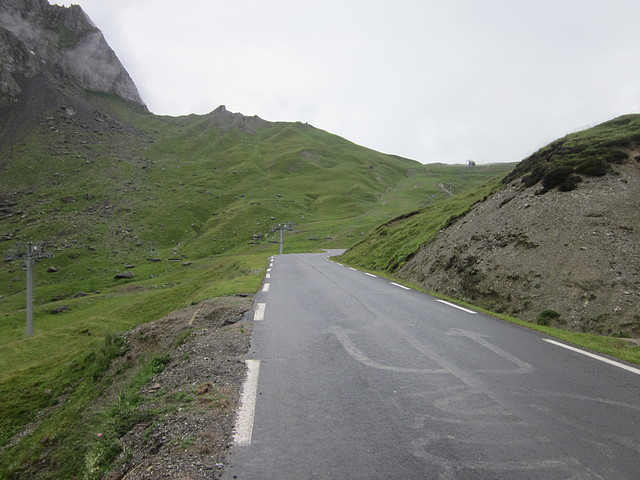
(362, 379)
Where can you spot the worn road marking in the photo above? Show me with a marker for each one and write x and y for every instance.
(457, 306)
(268, 275)
(371, 275)
(356, 354)
(259, 314)
(265, 287)
(597, 357)
(247, 410)
(351, 268)
(401, 286)
(523, 367)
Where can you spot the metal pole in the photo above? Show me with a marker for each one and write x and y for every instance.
(29, 261)
(281, 229)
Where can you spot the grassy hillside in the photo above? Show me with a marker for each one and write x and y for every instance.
(188, 205)
(391, 244)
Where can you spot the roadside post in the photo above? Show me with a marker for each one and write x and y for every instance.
(282, 227)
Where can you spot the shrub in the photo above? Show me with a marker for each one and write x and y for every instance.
(555, 177)
(547, 317)
(594, 167)
(570, 183)
(534, 177)
(159, 362)
(616, 156)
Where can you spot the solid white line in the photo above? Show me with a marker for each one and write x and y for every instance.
(265, 287)
(597, 357)
(247, 410)
(401, 286)
(371, 275)
(259, 313)
(457, 306)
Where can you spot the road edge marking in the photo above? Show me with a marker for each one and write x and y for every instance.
(401, 286)
(246, 412)
(457, 306)
(259, 313)
(593, 355)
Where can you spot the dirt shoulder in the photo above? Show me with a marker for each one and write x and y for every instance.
(193, 399)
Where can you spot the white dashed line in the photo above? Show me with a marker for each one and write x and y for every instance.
(457, 306)
(592, 355)
(268, 275)
(247, 410)
(259, 313)
(265, 287)
(371, 275)
(401, 286)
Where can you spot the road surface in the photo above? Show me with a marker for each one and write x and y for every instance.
(355, 377)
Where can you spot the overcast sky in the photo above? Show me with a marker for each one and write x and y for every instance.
(431, 80)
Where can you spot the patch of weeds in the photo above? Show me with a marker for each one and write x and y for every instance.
(185, 442)
(210, 396)
(180, 397)
(621, 334)
(99, 362)
(159, 362)
(183, 337)
(597, 324)
(547, 317)
(103, 450)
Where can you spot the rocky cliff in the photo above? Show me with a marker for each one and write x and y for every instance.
(48, 41)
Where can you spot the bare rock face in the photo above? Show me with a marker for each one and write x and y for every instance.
(37, 38)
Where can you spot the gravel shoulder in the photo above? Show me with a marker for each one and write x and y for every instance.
(194, 398)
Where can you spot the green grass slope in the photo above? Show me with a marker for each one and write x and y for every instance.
(391, 244)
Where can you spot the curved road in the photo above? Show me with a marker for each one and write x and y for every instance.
(360, 378)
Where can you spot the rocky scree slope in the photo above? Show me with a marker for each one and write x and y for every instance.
(561, 236)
